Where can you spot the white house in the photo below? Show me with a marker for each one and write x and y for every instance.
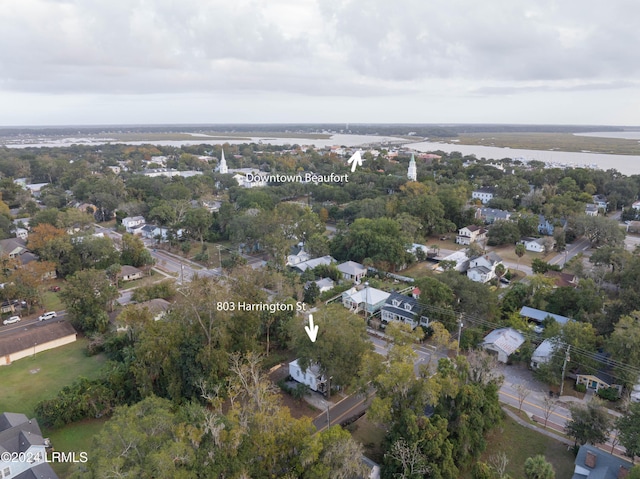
(470, 234)
(352, 271)
(543, 353)
(22, 234)
(312, 376)
(366, 299)
(591, 210)
(537, 245)
(504, 342)
(482, 269)
(21, 437)
(324, 284)
(131, 223)
(297, 255)
(312, 263)
(483, 194)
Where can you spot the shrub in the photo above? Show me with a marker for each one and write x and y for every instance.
(610, 394)
(581, 388)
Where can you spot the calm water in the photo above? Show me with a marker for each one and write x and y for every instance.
(626, 164)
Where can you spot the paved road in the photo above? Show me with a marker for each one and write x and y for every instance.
(348, 408)
(29, 323)
(577, 247)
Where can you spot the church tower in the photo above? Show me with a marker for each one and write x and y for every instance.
(222, 167)
(412, 173)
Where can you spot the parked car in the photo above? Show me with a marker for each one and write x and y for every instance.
(11, 320)
(47, 315)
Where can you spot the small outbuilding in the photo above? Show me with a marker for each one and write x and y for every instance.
(503, 342)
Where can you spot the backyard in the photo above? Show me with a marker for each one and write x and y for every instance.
(30, 380)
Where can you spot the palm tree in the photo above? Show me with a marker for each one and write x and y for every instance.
(520, 250)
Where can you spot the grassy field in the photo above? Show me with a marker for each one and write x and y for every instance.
(74, 437)
(553, 141)
(30, 380)
(520, 443)
(52, 301)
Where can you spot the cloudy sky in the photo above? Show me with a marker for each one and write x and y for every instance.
(249, 61)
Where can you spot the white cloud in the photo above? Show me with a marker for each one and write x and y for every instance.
(330, 50)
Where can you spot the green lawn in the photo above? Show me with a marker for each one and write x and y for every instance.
(520, 443)
(52, 301)
(74, 437)
(32, 379)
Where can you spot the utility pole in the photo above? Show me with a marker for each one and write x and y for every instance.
(564, 367)
(459, 336)
(181, 273)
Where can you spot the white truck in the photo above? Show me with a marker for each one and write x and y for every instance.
(311, 377)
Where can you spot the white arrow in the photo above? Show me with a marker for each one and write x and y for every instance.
(355, 159)
(311, 330)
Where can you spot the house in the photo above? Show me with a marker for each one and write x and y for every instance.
(404, 309)
(33, 339)
(471, 234)
(297, 254)
(13, 247)
(491, 215)
(483, 194)
(324, 284)
(367, 299)
(600, 201)
(503, 342)
(482, 269)
(35, 188)
(129, 273)
(311, 376)
(591, 210)
(352, 271)
(21, 436)
(545, 227)
(636, 205)
(131, 223)
(312, 263)
(543, 352)
(538, 316)
(459, 259)
(598, 380)
(537, 245)
(563, 280)
(595, 463)
(158, 307)
(22, 233)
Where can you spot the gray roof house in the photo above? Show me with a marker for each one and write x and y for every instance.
(19, 434)
(594, 463)
(404, 309)
(543, 352)
(503, 342)
(312, 263)
(352, 271)
(539, 316)
(491, 215)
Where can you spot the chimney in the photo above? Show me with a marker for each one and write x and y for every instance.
(622, 472)
(590, 460)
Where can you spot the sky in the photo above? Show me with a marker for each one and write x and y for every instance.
(96, 62)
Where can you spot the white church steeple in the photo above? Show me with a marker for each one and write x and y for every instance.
(222, 167)
(412, 173)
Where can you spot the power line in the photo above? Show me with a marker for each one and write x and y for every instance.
(533, 337)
